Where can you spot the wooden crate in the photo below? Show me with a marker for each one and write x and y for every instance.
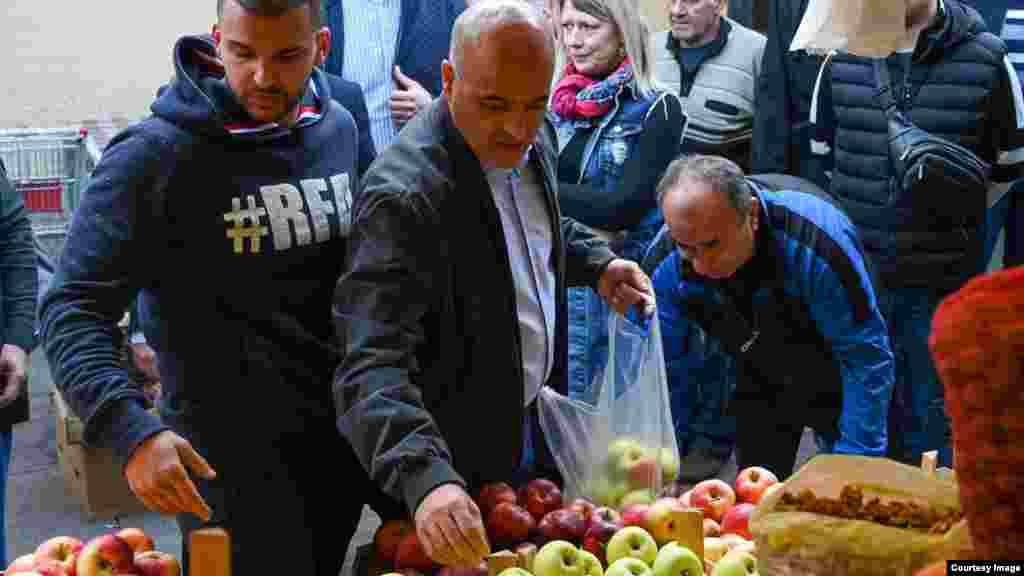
(92, 474)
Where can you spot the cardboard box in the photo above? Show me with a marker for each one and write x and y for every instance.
(92, 474)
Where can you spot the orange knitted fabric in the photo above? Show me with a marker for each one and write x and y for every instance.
(977, 343)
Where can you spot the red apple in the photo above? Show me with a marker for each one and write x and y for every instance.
(663, 521)
(604, 523)
(47, 567)
(509, 524)
(562, 524)
(635, 515)
(752, 482)
(137, 539)
(737, 520)
(539, 497)
(105, 555)
(714, 497)
(711, 528)
(604, 514)
(157, 563)
(493, 494)
(410, 554)
(584, 507)
(644, 472)
(63, 549)
(21, 564)
(388, 536)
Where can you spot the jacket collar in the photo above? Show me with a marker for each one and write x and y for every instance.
(713, 49)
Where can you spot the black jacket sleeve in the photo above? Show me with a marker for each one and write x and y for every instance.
(380, 306)
(106, 258)
(18, 266)
(626, 205)
(771, 151)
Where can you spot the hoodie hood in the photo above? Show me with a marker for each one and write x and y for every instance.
(199, 99)
(961, 23)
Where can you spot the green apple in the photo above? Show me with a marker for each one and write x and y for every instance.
(675, 559)
(604, 491)
(598, 489)
(736, 563)
(645, 496)
(591, 565)
(623, 455)
(715, 548)
(558, 558)
(628, 567)
(514, 571)
(631, 542)
(669, 465)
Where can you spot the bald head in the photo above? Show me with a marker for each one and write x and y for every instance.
(486, 16)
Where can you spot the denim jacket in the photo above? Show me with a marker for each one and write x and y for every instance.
(603, 162)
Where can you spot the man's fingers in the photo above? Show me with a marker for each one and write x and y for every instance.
(189, 495)
(193, 461)
(407, 107)
(440, 550)
(460, 551)
(470, 524)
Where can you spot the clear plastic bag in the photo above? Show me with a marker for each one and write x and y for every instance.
(620, 448)
(871, 28)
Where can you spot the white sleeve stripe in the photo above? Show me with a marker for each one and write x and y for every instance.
(819, 148)
(817, 88)
(1008, 157)
(1018, 97)
(1015, 14)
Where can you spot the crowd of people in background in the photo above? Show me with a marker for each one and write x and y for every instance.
(743, 189)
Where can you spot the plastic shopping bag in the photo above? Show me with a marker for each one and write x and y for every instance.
(872, 28)
(622, 448)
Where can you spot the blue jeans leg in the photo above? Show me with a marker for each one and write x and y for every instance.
(917, 417)
(588, 342)
(6, 440)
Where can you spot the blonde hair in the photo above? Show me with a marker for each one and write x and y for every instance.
(633, 31)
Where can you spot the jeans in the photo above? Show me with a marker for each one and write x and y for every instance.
(6, 440)
(588, 342)
(917, 418)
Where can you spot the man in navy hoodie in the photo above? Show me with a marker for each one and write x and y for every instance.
(229, 206)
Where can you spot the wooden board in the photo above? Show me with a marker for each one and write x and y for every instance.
(210, 553)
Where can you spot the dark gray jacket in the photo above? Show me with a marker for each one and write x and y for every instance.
(18, 286)
(430, 388)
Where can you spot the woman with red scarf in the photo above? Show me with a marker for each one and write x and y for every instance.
(616, 134)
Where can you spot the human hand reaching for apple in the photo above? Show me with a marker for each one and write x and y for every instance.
(157, 474)
(450, 527)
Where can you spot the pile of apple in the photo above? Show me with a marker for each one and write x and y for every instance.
(126, 552)
(529, 517)
(630, 473)
(632, 551)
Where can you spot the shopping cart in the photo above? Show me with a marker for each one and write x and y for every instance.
(50, 168)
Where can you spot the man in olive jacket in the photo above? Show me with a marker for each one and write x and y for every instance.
(18, 288)
(452, 310)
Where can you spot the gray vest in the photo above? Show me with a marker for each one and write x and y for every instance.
(720, 105)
